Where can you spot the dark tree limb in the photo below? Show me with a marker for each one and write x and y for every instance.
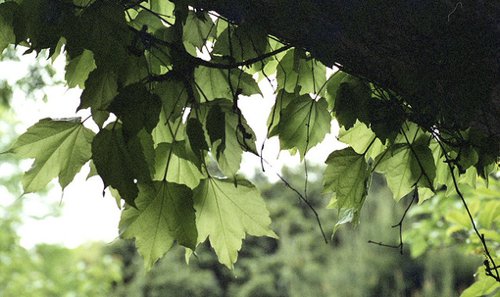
(442, 57)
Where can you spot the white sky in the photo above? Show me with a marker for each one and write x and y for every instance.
(85, 214)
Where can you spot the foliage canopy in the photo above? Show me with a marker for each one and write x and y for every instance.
(171, 73)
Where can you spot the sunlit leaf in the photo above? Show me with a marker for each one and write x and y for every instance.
(173, 163)
(164, 214)
(347, 175)
(226, 211)
(395, 165)
(78, 69)
(362, 140)
(60, 148)
(163, 7)
(198, 29)
(485, 286)
(213, 83)
(229, 136)
(242, 43)
(299, 71)
(303, 124)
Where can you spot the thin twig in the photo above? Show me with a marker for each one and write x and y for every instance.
(301, 197)
(492, 266)
(400, 246)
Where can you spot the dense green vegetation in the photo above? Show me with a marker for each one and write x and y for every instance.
(301, 264)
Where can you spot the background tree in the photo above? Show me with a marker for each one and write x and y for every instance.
(44, 269)
(298, 264)
(417, 100)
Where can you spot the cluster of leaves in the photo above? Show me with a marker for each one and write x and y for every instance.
(171, 75)
(442, 223)
(296, 265)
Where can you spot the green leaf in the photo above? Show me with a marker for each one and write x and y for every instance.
(282, 100)
(485, 286)
(386, 118)
(174, 98)
(215, 124)
(168, 131)
(423, 165)
(213, 83)
(146, 18)
(198, 29)
(60, 148)
(136, 108)
(100, 89)
(164, 214)
(226, 211)
(163, 7)
(362, 140)
(78, 69)
(299, 70)
(174, 164)
(241, 43)
(102, 27)
(347, 175)
(228, 139)
(399, 167)
(351, 101)
(468, 157)
(120, 163)
(303, 124)
(196, 137)
(332, 87)
(40, 23)
(7, 11)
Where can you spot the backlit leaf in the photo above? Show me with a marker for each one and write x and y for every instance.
(213, 83)
(228, 139)
(198, 29)
(226, 211)
(282, 100)
(362, 140)
(400, 169)
(100, 89)
(298, 70)
(102, 26)
(60, 148)
(303, 124)
(164, 214)
(485, 286)
(242, 43)
(347, 175)
(173, 164)
(78, 69)
(332, 87)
